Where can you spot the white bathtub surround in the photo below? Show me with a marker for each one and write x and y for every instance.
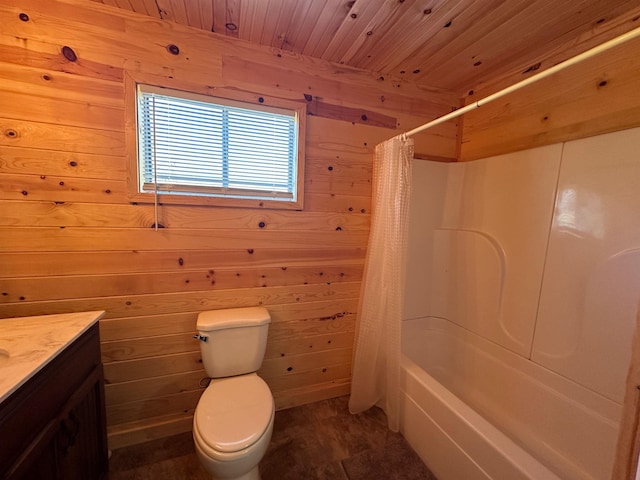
(524, 272)
(591, 288)
(628, 449)
(490, 399)
(376, 363)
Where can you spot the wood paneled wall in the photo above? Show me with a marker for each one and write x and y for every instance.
(71, 241)
(597, 96)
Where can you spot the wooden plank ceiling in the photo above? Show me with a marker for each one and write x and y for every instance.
(451, 44)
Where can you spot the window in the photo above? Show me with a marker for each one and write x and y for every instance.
(194, 148)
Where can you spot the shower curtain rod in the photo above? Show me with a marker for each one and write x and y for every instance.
(614, 42)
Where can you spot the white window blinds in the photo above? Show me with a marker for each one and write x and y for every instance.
(193, 144)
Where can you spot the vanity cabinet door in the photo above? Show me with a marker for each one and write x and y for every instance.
(53, 427)
(79, 445)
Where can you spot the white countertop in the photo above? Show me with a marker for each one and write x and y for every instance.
(32, 342)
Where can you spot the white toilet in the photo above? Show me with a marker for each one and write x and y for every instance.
(233, 420)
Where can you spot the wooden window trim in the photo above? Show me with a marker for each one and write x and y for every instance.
(132, 79)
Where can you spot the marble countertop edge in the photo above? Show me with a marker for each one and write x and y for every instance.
(32, 342)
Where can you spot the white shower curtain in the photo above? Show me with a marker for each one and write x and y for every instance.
(376, 362)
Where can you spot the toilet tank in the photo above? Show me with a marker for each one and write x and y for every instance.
(236, 339)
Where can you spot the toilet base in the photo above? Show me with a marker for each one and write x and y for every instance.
(230, 470)
(252, 475)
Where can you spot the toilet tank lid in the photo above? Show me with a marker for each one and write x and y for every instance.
(232, 318)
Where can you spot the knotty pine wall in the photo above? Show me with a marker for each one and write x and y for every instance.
(71, 241)
(597, 96)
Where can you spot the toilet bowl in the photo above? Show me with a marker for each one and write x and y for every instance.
(232, 426)
(233, 420)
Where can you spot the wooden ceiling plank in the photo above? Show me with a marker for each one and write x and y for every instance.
(406, 44)
(179, 12)
(272, 13)
(475, 22)
(124, 4)
(233, 13)
(227, 16)
(151, 8)
(166, 9)
(206, 14)
(355, 26)
(219, 16)
(192, 8)
(487, 41)
(391, 32)
(550, 31)
(328, 23)
(303, 21)
(492, 47)
(138, 6)
(601, 33)
(258, 20)
(247, 15)
(277, 36)
(386, 20)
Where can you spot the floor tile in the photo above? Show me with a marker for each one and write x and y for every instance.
(319, 441)
(393, 461)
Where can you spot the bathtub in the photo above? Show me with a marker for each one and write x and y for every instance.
(474, 410)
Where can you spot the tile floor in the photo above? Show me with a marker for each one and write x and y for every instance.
(312, 442)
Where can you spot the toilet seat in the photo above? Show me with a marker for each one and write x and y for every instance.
(233, 413)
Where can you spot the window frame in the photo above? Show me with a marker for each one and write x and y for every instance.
(246, 99)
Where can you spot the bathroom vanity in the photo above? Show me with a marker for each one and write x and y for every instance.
(52, 414)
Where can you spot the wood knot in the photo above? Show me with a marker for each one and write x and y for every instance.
(260, 100)
(69, 54)
(231, 26)
(262, 224)
(250, 251)
(308, 97)
(448, 24)
(24, 17)
(533, 68)
(173, 49)
(11, 133)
